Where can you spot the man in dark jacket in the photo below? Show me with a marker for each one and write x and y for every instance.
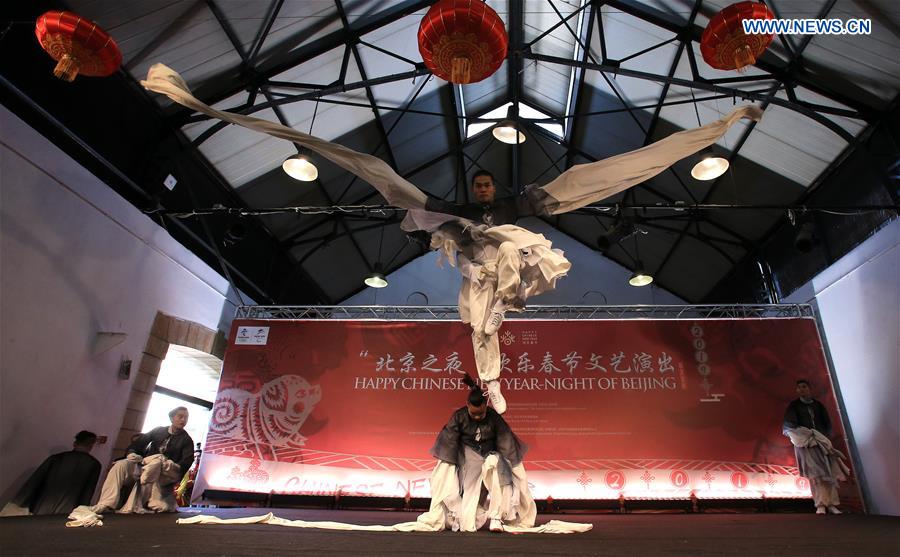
(808, 425)
(156, 461)
(63, 481)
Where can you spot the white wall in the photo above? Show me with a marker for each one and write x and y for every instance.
(858, 300)
(593, 280)
(75, 259)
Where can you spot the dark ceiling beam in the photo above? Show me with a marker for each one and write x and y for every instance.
(628, 106)
(362, 72)
(169, 32)
(579, 90)
(231, 82)
(514, 67)
(268, 21)
(797, 73)
(375, 193)
(738, 93)
(458, 134)
(786, 41)
(563, 20)
(654, 121)
(283, 119)
(239, 48)
(798, 53)
(384, 135)
(550, 137)
(312, 95)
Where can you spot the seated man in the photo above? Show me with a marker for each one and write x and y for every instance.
(61, 483)
(156, 461)
(479, 475)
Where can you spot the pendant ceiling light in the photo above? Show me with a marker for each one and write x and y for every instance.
(640, 277)
(376, 279)
(710, 166)
(300, 168)
(508, 130)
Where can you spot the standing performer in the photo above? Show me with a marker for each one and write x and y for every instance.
(498, 260)
(807, 424)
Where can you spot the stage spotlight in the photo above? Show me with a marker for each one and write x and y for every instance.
(508, 130)
(620, 230)
(806, 238)
(640, 277)
(300, 168)
(234, 234)
(710, 165)
(376, 279)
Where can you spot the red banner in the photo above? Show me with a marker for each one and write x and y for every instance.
(653, 408)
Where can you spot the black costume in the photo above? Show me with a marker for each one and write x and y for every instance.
(61, 483)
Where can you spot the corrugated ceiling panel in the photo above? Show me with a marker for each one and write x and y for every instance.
(547, 85)
(299, 22)
(487, 94)
(626, 35)
(683, 116)
(183, 35)
(399, 38)
(241, 155)
(332, 120)
(871, 62)
(792, 145)
(852, 125)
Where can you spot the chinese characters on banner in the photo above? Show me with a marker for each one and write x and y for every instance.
(637, 407)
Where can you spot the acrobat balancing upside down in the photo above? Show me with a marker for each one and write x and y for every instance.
(502, 264)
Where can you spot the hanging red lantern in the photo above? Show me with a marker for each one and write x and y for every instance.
(462, 41)
(78, 44)
(724, 44)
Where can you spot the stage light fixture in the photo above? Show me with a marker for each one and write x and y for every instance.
(620, 230)
(806, 238)
(377, 278)
(507, 130)
(710, 166)
(300, 168)
(640, 277)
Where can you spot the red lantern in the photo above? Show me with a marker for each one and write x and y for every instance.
(79, 45)
(462, 41)
(724, 44)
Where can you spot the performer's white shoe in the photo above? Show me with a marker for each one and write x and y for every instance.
(834, 510)
(820, 510)
(496, 525)
(495, 318)
(497, 400)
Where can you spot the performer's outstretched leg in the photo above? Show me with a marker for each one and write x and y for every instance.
(487, 360)
(509, 266)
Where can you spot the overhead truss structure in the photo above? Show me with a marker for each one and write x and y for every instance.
(445, 313)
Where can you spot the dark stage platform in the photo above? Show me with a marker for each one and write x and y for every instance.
(619, 535)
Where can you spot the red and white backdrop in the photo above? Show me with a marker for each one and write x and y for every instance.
(640, 408)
